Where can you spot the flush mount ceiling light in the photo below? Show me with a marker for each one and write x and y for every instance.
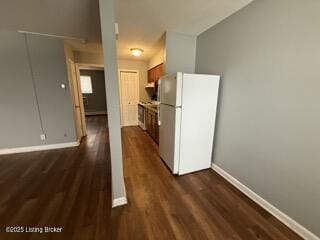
(136, 51)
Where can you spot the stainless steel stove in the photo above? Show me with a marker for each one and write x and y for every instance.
(141, 115)
(142, 111)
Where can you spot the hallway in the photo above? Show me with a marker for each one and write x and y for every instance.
(68, 188)
(195, 206)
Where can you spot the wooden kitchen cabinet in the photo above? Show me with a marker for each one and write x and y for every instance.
(155, 73)
(152, 124)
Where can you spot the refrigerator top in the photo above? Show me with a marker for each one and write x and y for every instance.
(171, 89)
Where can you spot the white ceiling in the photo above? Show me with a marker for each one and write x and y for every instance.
(143, 22)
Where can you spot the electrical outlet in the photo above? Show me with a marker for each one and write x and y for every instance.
(43, 137)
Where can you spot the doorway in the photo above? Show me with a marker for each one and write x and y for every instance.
(84, 87)
(129, 97)
(93, 92)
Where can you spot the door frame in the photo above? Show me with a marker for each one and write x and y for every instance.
(72, 76)
(120, 88)
(84, 66)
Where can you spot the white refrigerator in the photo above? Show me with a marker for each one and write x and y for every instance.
(187, 115)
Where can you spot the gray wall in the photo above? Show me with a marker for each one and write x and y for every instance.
(20, 124)
(112, 90)
(267, 133)
(180, 53)
(95, 102)
(22, 119)
(66, 18)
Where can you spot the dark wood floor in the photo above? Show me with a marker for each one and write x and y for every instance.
(195, 206)
(68, 188)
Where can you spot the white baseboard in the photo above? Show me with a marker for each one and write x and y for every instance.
(38, 148)
(96, 113)
(130, 125)
(289, 222)
(119, 202)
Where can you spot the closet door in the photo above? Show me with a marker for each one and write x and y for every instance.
(48, 65)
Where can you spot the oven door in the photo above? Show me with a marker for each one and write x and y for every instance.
(141, 116)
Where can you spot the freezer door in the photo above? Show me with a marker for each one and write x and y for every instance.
(169, 136)
(171, 89)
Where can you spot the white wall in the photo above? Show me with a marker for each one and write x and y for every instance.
(157, 59)
(113, 105)
(88, 58)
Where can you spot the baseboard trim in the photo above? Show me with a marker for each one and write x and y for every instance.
(38, 148)
(119, 202)
(130, 125)
(96, 113)
(285, 219)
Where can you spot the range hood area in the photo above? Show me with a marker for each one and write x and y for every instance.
(150, 85)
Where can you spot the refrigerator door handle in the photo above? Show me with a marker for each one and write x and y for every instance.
(159, 100)
(158, 112)
(158, 91)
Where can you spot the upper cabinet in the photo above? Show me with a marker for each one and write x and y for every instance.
(155, 73)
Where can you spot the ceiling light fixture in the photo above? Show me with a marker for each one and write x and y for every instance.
(136, 51)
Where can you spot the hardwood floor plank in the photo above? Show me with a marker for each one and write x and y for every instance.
(71, 188)
(68, 188)
(201, 205)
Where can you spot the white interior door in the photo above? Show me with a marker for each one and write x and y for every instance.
(129, 94)
(80, 99)
(76, 99)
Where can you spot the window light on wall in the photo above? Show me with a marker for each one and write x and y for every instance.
(86, 84)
